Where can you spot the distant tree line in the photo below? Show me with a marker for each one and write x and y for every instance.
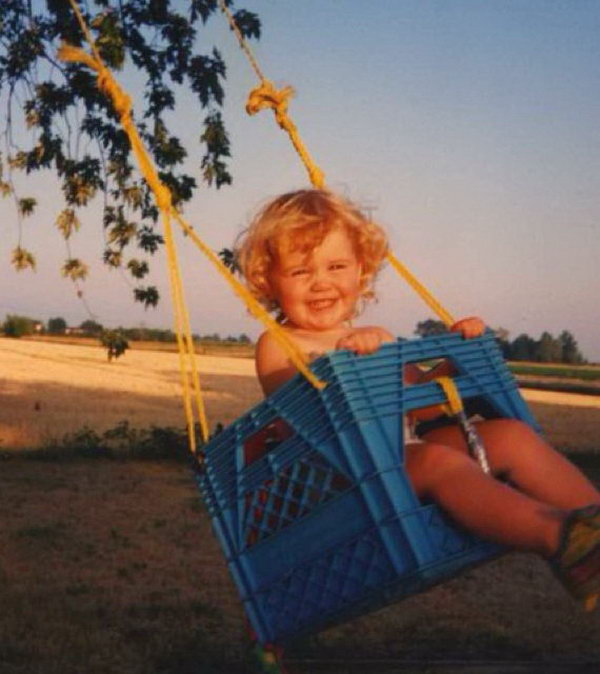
(546, 349)
(21, 326)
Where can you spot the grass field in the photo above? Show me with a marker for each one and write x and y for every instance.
(206, 347)
(582, 372)
(110, 566)
(50, 389)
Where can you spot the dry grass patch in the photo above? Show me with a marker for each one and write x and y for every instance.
(111, 566)
(570, 428)
(51, 389)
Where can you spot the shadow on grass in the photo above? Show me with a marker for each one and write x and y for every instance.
(110, 566)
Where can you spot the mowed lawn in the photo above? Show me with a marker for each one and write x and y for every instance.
(110, 566)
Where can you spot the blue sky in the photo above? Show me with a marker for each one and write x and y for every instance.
(471, 129)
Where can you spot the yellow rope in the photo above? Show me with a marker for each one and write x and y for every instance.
(265, 95)
(454, 405)
(427, 297)
(122, 103)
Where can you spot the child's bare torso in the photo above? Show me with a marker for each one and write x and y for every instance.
(315, 344)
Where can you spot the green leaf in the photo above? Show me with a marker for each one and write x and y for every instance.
(27, 206)
(74, 269)
(138, 268)
(68, 222)
(148, 240)
(147, 296)
(109, 42)
(22, 259)
(112, 258)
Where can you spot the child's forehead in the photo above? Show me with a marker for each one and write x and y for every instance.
(305, 241)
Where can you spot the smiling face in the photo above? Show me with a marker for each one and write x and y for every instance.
(318, 290)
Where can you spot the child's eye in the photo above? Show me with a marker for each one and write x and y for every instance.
(338, 265)
(299, 272)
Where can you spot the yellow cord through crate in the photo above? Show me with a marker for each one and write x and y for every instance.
(454, 407)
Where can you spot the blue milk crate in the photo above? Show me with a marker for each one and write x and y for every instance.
(309, 497)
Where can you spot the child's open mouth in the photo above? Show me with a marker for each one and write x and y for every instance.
(319, 305)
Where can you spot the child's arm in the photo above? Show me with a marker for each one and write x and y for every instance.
(365, 340)
(469, 328)
(273, 367)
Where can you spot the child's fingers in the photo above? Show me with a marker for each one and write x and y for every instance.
(360, 343)
(469, 327)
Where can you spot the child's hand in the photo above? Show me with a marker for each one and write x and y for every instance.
(469, 327)
(364, 340)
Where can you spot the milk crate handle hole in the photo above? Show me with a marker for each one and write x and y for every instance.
(266, 439)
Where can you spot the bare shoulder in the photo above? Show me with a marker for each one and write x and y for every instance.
(269, 354)
(384, 333)
(273, 366)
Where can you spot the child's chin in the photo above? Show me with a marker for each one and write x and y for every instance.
(324, 325)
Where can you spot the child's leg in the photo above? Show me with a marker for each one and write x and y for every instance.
(517, 452)
(480, 503)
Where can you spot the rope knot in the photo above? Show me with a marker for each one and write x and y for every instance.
(265, 95)
(163, 197)
(121, 101)
(106, 82)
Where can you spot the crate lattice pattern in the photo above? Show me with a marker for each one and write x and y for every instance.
(290, 495)
(333, 580)
(281, 478)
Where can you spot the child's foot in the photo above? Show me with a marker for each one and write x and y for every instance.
(577, 561)
(269, 659)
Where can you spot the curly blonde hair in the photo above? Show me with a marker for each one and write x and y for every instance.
(299, 221)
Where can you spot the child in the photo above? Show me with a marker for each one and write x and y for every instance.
(312, 256)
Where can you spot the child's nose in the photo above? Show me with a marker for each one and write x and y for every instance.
(319, 280)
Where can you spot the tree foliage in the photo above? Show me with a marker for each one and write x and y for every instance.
(76, 133)
(91, 328)
(18, 326)
(57, 326)
(115, 342)
(546, 349)
(430, 327)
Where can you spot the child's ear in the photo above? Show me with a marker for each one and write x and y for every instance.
(266, 289)
(363, 278)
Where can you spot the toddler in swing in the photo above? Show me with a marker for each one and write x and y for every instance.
(312, 257)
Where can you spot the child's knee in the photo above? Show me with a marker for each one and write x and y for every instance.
(428, 463)
(508, 433)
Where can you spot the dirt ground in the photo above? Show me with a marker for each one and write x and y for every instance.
(111, 566)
